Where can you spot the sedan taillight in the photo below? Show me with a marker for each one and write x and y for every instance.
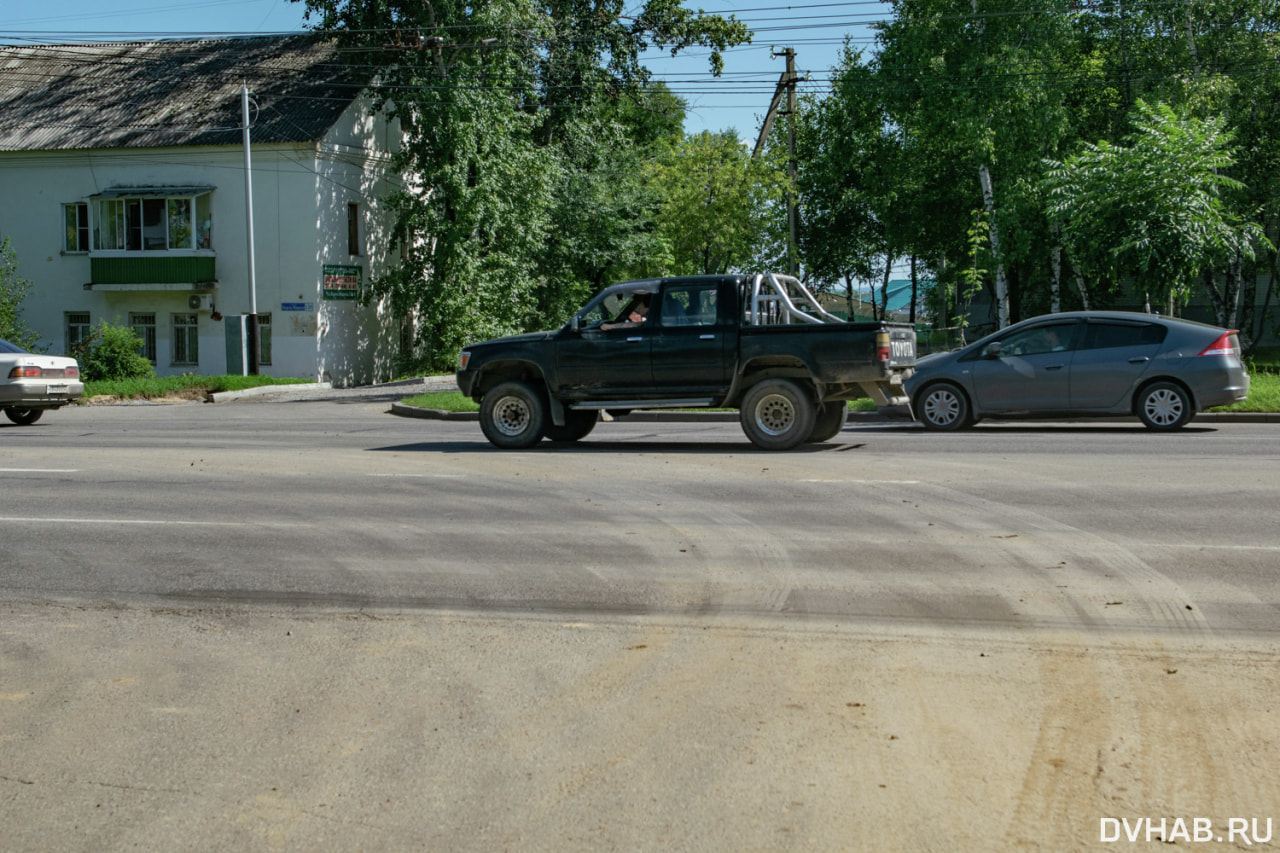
(1226, 344)
(26, 371)
(72, 373)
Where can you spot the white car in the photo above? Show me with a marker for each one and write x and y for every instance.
(31, 383)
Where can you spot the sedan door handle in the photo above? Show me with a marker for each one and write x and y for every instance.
(1139, 360)
(1055, 366)
(706, 337)
(634, 340)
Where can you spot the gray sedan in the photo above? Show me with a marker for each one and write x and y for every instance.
(1083, 364)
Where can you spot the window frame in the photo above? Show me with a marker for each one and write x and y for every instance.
(128, 231)
(185, 334)
(355, 245)
(264, 339)
(146, 331)
(82, 229)
(70, 321)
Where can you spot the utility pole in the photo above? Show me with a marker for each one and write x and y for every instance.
(251, 328)
(786, 86)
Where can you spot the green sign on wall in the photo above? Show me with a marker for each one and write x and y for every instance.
(341, 282)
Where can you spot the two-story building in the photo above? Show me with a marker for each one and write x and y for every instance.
(123, 195)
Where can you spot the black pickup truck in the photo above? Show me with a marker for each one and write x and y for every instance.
(759, 343)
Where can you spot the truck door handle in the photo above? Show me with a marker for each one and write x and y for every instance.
(706, 337)
(634, 340)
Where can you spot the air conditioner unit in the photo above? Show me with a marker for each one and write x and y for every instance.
(196, 302)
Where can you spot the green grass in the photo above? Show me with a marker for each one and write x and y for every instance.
(447, 401)
(156, 387)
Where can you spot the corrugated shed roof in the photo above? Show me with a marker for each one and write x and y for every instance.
(171, 93)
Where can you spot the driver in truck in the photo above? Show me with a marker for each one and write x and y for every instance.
(635, 315)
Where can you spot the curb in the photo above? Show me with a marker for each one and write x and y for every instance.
(260, 390)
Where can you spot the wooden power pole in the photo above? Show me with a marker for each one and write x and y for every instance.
(786, 86)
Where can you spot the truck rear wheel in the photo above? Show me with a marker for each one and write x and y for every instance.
(578, 423)
(777, 414)
(513, 415)
(829, 421)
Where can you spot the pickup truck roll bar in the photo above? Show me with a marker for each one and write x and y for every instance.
(773, 298)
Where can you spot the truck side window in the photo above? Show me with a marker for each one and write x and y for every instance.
(689, 306)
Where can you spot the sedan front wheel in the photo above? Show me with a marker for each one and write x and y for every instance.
(944, 406)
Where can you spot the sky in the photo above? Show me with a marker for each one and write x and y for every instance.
(738, 99)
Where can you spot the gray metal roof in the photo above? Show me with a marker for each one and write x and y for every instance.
(171, 93)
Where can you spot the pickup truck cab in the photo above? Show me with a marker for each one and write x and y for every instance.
(759, 343)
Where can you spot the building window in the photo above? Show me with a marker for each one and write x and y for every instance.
(78, 329)
(144, 325)
(353, 229)
(186, 339)
(264, 339)
(76, 219)
(152, 224)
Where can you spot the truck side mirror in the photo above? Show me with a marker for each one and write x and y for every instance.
(576, 323)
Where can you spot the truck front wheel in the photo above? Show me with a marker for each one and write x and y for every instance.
(777, 414)
(513, 415)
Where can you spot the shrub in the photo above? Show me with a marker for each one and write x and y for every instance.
(110, 353)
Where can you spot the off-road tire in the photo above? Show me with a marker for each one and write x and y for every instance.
(513, 415)
(578, 423)
(777, 414)
(829, 420)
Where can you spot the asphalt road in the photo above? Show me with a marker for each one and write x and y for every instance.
(310, 624)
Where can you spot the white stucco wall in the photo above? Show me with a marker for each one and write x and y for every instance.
(300, 198)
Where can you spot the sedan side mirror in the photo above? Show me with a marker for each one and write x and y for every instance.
(992, 350)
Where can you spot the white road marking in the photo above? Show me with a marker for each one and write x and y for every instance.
(38, 470)
(35, 520)
(864, 482)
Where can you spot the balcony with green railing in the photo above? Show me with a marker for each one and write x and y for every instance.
(193, 271)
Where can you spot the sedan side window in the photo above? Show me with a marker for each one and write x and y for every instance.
(1109, 335)
(1055, 337)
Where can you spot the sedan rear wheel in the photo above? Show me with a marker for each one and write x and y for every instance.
(23, 417)
(1164, 405)
(943, 406)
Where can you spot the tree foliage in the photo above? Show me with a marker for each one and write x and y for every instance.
(1152, 212)
(526, 127)
(13, 289)
(718, 202)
